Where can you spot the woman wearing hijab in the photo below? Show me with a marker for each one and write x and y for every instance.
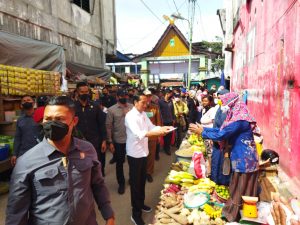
(237, 130)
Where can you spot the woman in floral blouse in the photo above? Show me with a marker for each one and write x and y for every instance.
(237, 131)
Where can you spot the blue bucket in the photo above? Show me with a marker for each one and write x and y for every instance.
(4, 151)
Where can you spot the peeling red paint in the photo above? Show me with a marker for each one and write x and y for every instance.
(266, 61)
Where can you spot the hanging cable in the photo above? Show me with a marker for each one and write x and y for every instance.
(177, 10)
(122, 49)
(201, 21)
(145, 37)
(175, 6)
(151, 11)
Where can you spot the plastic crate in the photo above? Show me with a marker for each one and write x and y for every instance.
(4, 152)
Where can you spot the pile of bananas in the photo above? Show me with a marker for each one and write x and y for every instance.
(197, 140)
(180, 166)
(181, 178)
(203, 185)
(213, 212)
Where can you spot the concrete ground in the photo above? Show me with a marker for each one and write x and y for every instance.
(121, 203)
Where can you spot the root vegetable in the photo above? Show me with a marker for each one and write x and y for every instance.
(273, 215)
(179, 218)
(176, 209)
(219, 221)
(166, 220)
(170, 204)
(276, 211)
(185, 212)
(161, 215)
(275, 196)
(294, 222)
(282, 215)
(285, 202)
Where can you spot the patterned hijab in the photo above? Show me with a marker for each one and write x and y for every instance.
(238, 110)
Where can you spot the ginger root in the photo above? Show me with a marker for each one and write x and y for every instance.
(179, 218)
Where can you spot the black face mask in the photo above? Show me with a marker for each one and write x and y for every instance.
(130, 95)
(123, 100)
(27, 105)
(55, 130)
(105, 94)
(84, 97)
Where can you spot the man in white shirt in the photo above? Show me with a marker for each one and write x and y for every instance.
(138, 129)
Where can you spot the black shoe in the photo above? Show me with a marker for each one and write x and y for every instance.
(112, 161)
(146, 209)
(121, 189)
(168, 152)
(137, 220)
(149, 178)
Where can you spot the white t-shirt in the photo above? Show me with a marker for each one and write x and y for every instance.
(207, 119)
(137, 125)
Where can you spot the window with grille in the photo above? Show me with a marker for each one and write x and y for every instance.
(84, 4)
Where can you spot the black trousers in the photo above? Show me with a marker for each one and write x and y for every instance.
(119, 155)
(179, 134)
(167, 138)
(137, 176)
(101, 158)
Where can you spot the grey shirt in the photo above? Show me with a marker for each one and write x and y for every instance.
(115, 123)
(48, 188)
(26, 136)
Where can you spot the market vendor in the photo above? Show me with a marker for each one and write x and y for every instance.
(237, 130)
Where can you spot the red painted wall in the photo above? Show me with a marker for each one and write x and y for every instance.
(266, 56)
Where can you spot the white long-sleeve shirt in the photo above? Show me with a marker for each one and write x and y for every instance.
(137, 126)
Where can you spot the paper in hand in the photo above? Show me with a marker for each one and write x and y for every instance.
(172, 129)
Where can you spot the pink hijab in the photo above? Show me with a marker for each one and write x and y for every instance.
(238, 110)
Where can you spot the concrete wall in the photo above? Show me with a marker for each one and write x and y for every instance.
(266, 62)
(109, 25)
(82, 34)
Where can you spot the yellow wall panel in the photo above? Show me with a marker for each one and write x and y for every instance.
(172, 45)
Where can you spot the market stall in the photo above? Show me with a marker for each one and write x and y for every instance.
(188, 197)
(14, 83)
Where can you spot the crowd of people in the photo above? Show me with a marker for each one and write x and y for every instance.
(60, 148)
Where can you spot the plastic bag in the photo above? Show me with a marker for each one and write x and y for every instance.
(197, 166)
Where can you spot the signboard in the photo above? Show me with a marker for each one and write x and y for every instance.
(172, 42)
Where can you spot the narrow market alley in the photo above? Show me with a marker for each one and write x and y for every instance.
(121, 203)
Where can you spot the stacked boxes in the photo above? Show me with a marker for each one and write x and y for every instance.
(20, 81)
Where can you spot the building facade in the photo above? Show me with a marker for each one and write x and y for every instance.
(264, 44)
(84, 28)
(169, 58)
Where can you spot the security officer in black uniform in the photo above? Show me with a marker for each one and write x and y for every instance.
(91, 124)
